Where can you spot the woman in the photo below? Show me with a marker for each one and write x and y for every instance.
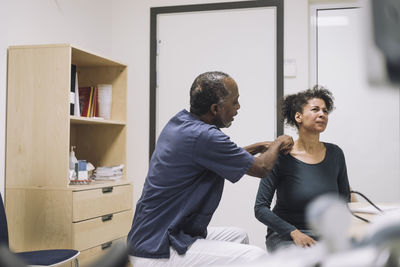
(312, 168)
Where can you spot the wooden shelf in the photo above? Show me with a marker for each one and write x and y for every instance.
(40, 133)
(98, 184)
(83, 187)
(86, 59)
(84, 120)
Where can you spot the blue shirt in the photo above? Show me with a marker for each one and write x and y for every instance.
(183, 186)
(296, 184)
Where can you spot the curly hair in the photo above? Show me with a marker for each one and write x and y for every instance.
(294, 103)
(207, 89)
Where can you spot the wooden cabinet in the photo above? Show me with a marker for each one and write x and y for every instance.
(43, 210)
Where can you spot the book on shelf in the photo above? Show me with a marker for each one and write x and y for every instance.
(77, 109)
(90, 103)
(84, 100)
(72, 90)
(88, 99)
(95, 109)
(94, 103)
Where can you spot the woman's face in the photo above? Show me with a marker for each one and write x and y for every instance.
(314, 117)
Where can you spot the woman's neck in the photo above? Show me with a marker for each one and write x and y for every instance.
(308, 148)
(308, 143)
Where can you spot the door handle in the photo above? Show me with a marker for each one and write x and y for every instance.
(106, 217)
(107, 189)
(106, 245)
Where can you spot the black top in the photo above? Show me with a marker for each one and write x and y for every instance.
(297, 183)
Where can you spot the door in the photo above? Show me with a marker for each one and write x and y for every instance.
(243, 43)
(365, 123)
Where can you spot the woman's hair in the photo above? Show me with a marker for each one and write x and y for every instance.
(295, 103)
(207, 89)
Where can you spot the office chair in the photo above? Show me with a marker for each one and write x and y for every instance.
(116, 257)
(50, 257)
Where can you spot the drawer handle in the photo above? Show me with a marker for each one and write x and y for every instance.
(107, 189)
(106, 245)
(106, 217)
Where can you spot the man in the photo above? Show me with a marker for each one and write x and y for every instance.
(185, 181)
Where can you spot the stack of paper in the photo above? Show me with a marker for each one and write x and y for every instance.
(109, 173)
(373, 210)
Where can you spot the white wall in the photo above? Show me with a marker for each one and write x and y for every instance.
(132, 34)
(296, 42)
(121, 29)
(374, 168)
(86, 24)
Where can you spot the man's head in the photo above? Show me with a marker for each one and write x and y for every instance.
(214, 97)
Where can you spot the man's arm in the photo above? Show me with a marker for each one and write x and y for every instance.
(264, 163)
(259, 147)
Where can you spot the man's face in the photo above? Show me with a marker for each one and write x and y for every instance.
(229, 107)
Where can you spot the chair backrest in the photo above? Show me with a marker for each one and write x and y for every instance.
(3, 224)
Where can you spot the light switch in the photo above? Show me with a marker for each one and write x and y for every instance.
(290, 68)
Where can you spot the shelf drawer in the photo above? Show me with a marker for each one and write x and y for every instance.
(89, 256)
(91, 233)
(93, 203)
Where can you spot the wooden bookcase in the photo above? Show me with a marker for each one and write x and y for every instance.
(43, 210)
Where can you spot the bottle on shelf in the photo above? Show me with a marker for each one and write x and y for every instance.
(72, 162)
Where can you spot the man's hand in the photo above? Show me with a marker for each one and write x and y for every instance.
(263, 146)
(259, 147)
(302, 240)
(286, 143)
(263, 164)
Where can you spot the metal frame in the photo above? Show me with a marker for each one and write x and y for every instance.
(313, 52)
(209, 7)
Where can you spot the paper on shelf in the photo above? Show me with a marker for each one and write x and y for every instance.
(109, 173)
(372, 210)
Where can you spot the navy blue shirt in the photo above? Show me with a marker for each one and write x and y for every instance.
(296, 184)
(183, 186)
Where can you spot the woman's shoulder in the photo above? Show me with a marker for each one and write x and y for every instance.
(284, 160)
(333, 148)
(282, 156)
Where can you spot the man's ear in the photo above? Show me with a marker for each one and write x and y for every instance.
(297, 117)
(214, 109)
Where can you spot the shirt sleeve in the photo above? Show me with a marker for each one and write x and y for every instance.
(262, 207)
(342, 180)
(216, 152)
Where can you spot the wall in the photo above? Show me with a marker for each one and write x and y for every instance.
(87, 24)
(132, 34)
(47, 21)
(121, 29)
(373, 169)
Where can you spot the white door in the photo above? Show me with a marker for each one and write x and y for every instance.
(242, 43)
(366, 120)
